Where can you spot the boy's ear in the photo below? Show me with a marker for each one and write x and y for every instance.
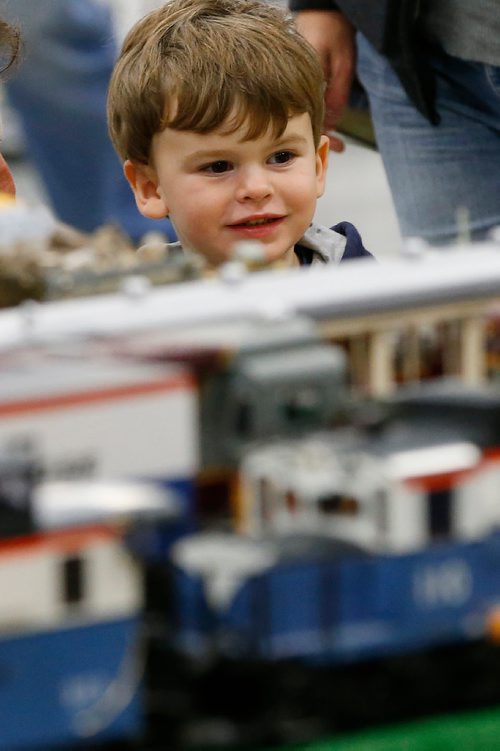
(144, 182)
(322, 153)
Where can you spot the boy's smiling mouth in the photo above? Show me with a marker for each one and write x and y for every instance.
(256, 221)
(257, 227)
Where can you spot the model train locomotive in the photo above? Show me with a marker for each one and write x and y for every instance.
(382, 497)
(359, 546)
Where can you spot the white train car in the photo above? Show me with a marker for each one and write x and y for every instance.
(80, 415)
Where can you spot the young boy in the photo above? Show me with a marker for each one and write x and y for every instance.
(216, 108)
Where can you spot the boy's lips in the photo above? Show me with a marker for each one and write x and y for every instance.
(257, 226)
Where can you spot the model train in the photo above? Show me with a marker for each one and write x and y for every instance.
(356, 545)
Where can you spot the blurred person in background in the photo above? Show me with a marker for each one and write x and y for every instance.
(9, 49)
(432, 75)
(59, 91)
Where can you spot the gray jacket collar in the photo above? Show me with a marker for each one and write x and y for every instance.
(327, 245)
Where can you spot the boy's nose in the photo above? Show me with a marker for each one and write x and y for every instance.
(254, 185)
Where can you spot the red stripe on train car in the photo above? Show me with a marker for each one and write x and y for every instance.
(64, 540)
(492, 454)
(443, 481)
(447, 480)
(80, 398)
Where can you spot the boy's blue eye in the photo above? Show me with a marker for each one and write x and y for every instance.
(281, 157)
(218, 167)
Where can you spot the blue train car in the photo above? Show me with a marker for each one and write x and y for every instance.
(71, 686)
(333, 608)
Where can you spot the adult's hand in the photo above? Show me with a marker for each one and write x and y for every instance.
(7, 184)
(332, 36)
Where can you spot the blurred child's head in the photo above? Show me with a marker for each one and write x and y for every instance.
(216, 108)
(9, 48)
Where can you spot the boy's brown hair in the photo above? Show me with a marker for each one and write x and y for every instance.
(196, 64)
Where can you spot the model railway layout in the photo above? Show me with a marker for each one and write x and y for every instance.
(252, 510)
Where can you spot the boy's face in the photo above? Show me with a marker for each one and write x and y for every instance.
(219, 190)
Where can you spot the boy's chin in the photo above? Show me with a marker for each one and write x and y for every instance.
(252, 253)
(276, 258)
(257, 255)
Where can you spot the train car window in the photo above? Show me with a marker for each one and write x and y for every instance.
(302, 406)
(16, 482)
(244, 420)
(291, 501)
(381, 510)
(338, 504)
(439, 513)
(73, 580)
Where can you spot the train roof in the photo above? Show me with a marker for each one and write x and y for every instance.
(357, 288)
(447, 407)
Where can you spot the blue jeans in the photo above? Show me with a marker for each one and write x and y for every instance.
(437, 172)
(59, 91)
